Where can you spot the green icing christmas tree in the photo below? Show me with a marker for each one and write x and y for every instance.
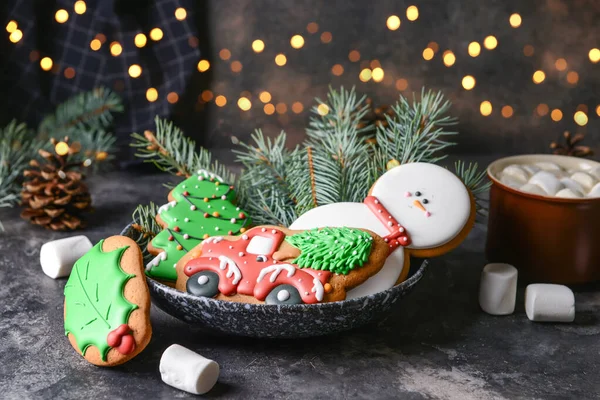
(337, 250)
(94, 300)
(202, 206)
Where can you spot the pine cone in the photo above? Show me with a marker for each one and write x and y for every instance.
(572, 146)
(53, 196)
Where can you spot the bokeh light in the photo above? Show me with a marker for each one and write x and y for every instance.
(280, 60)
(468, 82)
(244, 103)
(449, 58)
(539, 76)
(528, 50)
(61, 16)
(326, 37)
(236, 66)
(203, 65)
(69, 73)
(281, 108)
(312, 27)
(11, 26)
(265, 97)
(297, 107)
(401, 84)
(80, 7)
(134, 70)
(393, 22)
(172, 98)
(140, 40)
(507, 111)
(220, 101)
(485, 108)
(412, 13)
(116, 48)
(594, 55)
(474, 49)
(490, 42)
(151, 94)
(365, 75)
(354, 56)
(258, 46)
(580, 118)
(156, 34)
(428, 54)
(572, 77)
(297, 41)
(542, 109)
(46, 63)
(269, 109)
(95, 44)
(180, 14)
(224, 54)
(515, 20)
(323, 109)
(337, 69)
(556, 115)
(206, 95)
(560, 64)
(377, 74)
(15, 36)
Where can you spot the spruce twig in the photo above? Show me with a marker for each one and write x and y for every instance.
(476, 181)
(144, 222)
(311, 170)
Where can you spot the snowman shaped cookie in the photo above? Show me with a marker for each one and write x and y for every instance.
(420, 209)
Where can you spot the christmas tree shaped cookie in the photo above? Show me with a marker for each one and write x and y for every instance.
(107, 304)
(199, 207)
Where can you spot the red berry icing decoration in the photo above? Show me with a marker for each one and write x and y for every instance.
(121, 339)
(242, 215)
(171, 238)
(177, 229)
(127, 345)
(186, 193)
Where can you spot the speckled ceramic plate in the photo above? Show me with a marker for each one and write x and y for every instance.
(278, 321)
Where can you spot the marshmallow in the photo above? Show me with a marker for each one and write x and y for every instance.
(498, 289)
(548, 166)
(569, 194)
(595, 172)
(595, 192)
(585, 180)
(185, 370)
(511, 182)
(547, 181)
(531, 169)
(515, 172)
(549, 303)
(58, 256)
(573, 185)
(534, 189)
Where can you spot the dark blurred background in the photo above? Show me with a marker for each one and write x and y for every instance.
(220, 68)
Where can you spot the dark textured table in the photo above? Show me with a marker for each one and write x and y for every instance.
(437, 344)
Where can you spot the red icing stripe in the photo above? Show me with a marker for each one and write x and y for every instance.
(398, 235)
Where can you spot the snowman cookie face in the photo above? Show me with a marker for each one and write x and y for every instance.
(429, 201)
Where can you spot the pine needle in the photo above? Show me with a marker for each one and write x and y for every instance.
(476, 181)
(144, 222)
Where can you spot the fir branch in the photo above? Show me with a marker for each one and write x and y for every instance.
(417, 132)
(171, 151)
(311, 170)
(144, 222)
(86, 111)
(476, 181)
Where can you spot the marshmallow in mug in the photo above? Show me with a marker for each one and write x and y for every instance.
(550, 179)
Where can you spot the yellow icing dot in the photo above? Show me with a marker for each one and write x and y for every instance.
(205, 236)
(216, 214)
(206, 199)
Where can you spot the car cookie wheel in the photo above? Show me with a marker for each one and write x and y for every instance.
(203, 284)
(284, 294)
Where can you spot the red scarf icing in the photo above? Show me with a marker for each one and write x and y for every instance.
(398, 235)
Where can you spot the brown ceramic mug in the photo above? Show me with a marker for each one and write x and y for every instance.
(548, 239)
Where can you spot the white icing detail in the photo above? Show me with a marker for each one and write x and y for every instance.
(318, 289)
(263, 230)
(230, 247)
(273, 231)
(186, 219)
(156, 260)
(216, 228)
(223, 197)
(188, 371)
(232, 269)
(245, 237)
(275, 270)
(283, 295)
(241, 254)
(206, 174)
(260, 245)
(186, 236)
(193, 207)
(165, 207)
(175, 219)
(306, 293)
(233, 220)
(202, 280)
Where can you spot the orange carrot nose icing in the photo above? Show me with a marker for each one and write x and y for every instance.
(418, 204)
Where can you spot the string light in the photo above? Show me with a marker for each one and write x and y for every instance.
(69, 73)
(326, 37)
(474, 49)
(542, 109)
(377, 74)
(323, 109)
(244, 103)
(221, 101)
(203, 65)
(140, 40)
(468, 82)
(297, 41)
(151, 95)
(556, 115)
(258, 46)
(11, 26)
(598, 110)
(490, 42)
(412, 13)
(594, 55)
(393, 22)
(561, 64)
(265, 97)
(61, 16)
(156, 34)
(515, 20)
(224, 54)
(207, 95)
(428, 54)
(365, 75)
(485, 108)
(280, 60)
(297, 107)
(528, 50)
(80, 7)
(354, 56)
(95, 44)
(116, 48)
(172, 97)
(269, 109)
(572, 77)
(449, 58)
(134, 71)
(539, 76)
(580, 118)
(236, 66)
(46, 63)
(180, 14)
(507, 111)
(337, 70)
(312, 27)
(15, 36)
(281, 108)
(401, 84)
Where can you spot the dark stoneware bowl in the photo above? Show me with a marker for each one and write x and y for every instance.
(278, 321)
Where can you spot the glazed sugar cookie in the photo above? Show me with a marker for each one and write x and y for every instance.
(281, 266)
(199, 207)
(107, 304)
(424, 203)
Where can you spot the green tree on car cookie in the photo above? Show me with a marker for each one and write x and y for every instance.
(199, 207)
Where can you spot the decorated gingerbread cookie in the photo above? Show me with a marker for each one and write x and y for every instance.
(421, 210)
(107, 303)
(281, 266)
(199, 207)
